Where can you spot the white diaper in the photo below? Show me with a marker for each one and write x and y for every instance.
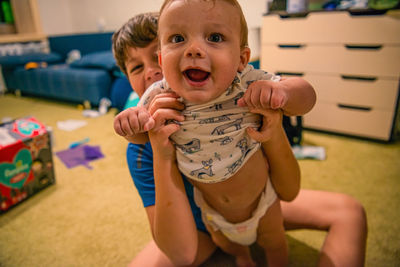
(244, 233)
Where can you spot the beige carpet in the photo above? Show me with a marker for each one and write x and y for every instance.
(95, 217)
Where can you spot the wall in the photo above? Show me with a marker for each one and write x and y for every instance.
(82, 16)
(67, 16)
(55, 16)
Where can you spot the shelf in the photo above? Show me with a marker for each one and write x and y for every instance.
(27, 23)
(22, 37)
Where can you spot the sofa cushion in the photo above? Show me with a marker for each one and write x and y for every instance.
(101, 60)
(62, 82)
(20, 60)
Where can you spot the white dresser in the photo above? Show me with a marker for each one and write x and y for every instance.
(353, 62)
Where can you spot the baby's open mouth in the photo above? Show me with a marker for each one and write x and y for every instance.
(196, 75)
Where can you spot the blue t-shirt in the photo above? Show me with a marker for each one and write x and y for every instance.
(140, 163)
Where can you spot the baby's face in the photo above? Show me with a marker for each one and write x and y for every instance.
(142, 67)
(200, 49)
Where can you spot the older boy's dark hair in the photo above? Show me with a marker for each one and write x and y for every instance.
(139, 31)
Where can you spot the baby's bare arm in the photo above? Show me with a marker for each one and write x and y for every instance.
(133, 123)
(301, 96)
(294, 96)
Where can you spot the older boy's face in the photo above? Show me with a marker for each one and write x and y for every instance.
(200, 48)
(142, 67)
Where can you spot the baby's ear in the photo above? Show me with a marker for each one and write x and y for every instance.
(244, 58)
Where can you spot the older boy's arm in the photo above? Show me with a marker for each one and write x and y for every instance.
(300, 96)
(140, 138)
(284, 168)
(174, 228)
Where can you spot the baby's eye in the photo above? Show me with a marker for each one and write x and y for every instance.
(215, 38)
(177, 38)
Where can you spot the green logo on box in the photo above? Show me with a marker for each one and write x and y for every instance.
(15, 174)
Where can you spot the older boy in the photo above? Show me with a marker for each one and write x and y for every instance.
(204, 56)
(138, 62)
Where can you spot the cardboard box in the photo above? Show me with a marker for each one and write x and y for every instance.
(26, 163)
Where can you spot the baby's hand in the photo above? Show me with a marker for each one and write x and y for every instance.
(133, 121)
(264, 95)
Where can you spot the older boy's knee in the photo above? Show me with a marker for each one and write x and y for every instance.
(352, 209)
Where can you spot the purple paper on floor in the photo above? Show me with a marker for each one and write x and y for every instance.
(80, 155)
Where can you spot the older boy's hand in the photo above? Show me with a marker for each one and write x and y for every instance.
(164, 108)
(133, 121)
(166, 111)
(160, 142)
(271, 124)
(263, 95)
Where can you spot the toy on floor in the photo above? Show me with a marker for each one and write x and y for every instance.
(105, 103)
(80, 155)
(35, 65)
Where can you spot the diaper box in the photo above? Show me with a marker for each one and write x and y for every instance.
(26, 163)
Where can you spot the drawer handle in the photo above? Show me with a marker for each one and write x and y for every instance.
(291, 46)
(364, 47)
(358, 78)
(344, 106)
(366, 12)
(288, 73)
(285, 15)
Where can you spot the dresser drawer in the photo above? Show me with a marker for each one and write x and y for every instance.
(368, 61)
(357, 91)
(374, 123)
(330, 28)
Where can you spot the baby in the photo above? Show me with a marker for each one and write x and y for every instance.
(204, 56)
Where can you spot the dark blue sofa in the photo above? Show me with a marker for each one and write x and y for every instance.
(91, 78)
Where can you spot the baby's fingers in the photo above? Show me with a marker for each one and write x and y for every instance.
(118, 127)
(278, 99)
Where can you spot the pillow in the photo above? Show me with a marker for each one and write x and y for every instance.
(120, 91)
(18, 60)
(102, 60)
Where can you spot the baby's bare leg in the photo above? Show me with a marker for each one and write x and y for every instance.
(240, 252)
(271, 236)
